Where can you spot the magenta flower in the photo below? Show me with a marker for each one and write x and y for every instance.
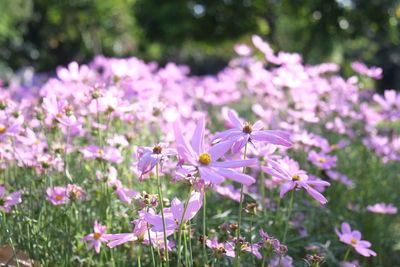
(75, 192)
(206, 162)
(322, 160)
(13, 129)
(57, 195)
(175, 215)
(59, 110)
(353, 238)
(6, 202)
(289, 171)
(373, 72)
(227, 249)
(107, 153)
(382, 208)
(97, 237)
(245, 132)
(149, 157)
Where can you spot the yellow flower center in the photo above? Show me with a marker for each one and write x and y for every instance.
(100, 151)
(96, 235)
(205, 158)
(3, 130)
(59, 115)
(247, 129)
(322, 159)
(296, 177)
(334, 146)
(59, 198)
(354, 241)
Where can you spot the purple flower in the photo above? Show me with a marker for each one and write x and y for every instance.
(176, 214)
(6, 202)
(107, 153)
(227, 249)
(273, 243)
(206, 162)
(322, 160)
(289, 171)
(57, 195)
(150, 157)
(373, 72)
(382, 208)
(244, 132)
(97, 237)
(353, 238)
(13, 129)
(228, 191)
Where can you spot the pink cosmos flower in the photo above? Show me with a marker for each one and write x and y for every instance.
(273, 243)
(6, 202)
(175, 215)
(75, 192)
(13, 129)
(373, 72)
(322, 160)
(57, 195)
(228, 191)
(97, 237)
(73, 73)
(124, 194)
(289, 171)
(59, 110)
(206, 162)
(353, 238)
(382, 208)
(107, 153)
(149, 157)
(242, 133)
(221, 248)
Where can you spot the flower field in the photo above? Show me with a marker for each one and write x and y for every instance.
(267, 163)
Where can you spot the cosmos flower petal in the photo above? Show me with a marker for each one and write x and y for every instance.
(236, 176)
(286, 187)
(218, 150)
(234, 118)
(209, 175)
(235, 163)
(198, 136)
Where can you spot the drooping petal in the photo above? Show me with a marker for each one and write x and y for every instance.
(236, 176)
(271, 137)
(240, 143)
(209, 175)
(286, 187)
(234, 163)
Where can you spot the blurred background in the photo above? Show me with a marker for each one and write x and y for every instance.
(44, 34)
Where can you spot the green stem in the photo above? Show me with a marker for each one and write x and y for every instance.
(347, 253)
(181, 227)
(150, 245)
(162, 215)
(237, 259)
(288, 216)
(204, 228)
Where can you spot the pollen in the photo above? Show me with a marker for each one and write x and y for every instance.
(157, 150)
(59, 197)
(247, 129)
(59, 115)
(205, 158)
(354, 241)
(100, 151)
(96, 236)
(296, 177)
(321, 159)
(3, 130)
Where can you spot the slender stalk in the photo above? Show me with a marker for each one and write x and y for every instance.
(150, 245)
(237, 259)
(204, 227)
(288, 216)
(262, 190)
(181, 227)
(162, 215)
(347, 253)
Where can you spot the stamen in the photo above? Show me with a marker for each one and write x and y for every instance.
(354, 241)
(321, 159)
(100, 151)
(157, 150)
(247, 129)
(3, 130)
(205, 158)
(96, 236)
(296, 177)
